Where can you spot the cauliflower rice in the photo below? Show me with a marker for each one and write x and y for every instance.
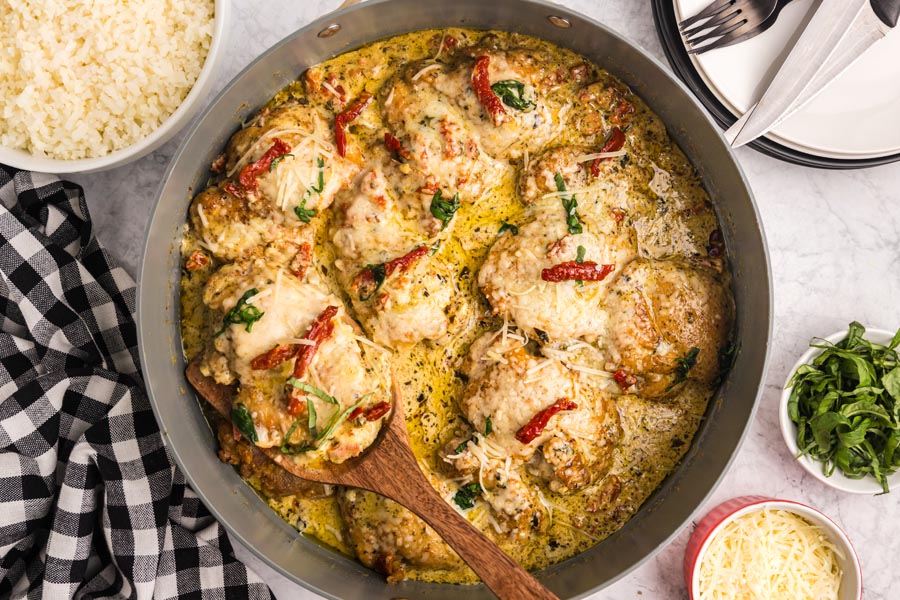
(84, 78)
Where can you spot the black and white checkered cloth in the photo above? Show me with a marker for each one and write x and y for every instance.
(91, 505)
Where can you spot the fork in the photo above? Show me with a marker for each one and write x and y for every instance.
(727, 22)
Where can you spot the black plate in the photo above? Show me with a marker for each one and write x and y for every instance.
(667, 27)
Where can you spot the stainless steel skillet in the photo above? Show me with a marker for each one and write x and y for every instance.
(193, 445)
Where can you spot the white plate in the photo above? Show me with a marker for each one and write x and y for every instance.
(856, 117)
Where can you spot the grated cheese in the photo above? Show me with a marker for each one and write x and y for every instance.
(770, 554)
(202, 216)
(331, 89)
(325, 147)
(425, 70)
(601, 155)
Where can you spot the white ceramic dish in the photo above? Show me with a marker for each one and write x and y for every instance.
(192, 103)
(837, 480)
(708, 527)
(854, 118)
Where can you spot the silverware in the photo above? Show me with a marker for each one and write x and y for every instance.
(727, 22)
(838, 34)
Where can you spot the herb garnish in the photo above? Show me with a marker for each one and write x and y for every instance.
(512, 93)
(333, 423)
(463, 445)
(303, 213)
(846, 405)
(320, 162)
(570, 205)
(508, 227)
(378, 274)
(685, 364)
(241, 418)
(443, 210)
(579, 257)
(465, 496)
(242, 313)
(488, 426)
(278, 159)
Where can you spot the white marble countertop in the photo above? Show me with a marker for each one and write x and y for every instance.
(835, 246)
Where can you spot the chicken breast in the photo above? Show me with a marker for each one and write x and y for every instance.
(271, 318)
(531, 408)
(669, 321)
(389, 538)
(300, 167)
(401, 293)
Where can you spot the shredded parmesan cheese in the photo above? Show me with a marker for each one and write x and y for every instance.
(770, 554)
(201, 215)
(601, 155)
(331, 90)
(425, 70)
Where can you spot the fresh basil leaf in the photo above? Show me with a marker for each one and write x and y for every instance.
(243, 313)
(303, 213)
(466, 495)
(378, 275)
(320, 163)
(512, 93)
(488, 426)
(277, 160)
(443, 210)
(891, 383)
(241, 418)
(311, 417)
(579, 257)
(311, 389)
(570, 205)
(504, 227)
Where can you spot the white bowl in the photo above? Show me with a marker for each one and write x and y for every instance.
(837, 480)
(189, 107)
(716, 519)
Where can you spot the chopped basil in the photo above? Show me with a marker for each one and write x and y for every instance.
(242, 313)
(570, 205)
(846, 405)
(465, 496)
(508, 227)
(443, 210)
(311, 417)
(579, 257)
(512, 93)
(463, 445)
(321, 178)
(685, 364)
(311, 389)
(286, 442)
(378, 275)
(241, 418)
(277, 160)
(303, 213)
(434, 248)
(488, 426)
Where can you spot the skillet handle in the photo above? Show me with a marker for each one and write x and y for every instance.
(886, 10)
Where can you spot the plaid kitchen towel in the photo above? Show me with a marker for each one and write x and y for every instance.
(91, 505)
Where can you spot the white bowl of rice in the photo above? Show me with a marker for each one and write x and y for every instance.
(94, 84)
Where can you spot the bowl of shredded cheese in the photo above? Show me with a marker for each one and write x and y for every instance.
(757, 548)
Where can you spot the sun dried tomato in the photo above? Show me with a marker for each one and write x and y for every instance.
(370, 279)
(275, 356)
(618, 214)
(248, 175)
(615, 143)
(234, 190)
(395, 147)
(318, 332)
(343, 119)
(577, 271)
(538, 422)
(624, 379)
(372, 414)
(482, 86)
(196, 261)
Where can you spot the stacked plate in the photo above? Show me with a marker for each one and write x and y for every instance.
(853, 123)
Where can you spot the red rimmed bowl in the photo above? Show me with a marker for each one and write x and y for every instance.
(716, 519)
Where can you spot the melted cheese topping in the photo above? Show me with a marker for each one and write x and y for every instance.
(770, 555)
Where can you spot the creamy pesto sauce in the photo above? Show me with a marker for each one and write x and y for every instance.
(656, 434)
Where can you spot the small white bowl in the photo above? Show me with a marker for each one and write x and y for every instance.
(189, 107)
(716, 519)
(837, 480)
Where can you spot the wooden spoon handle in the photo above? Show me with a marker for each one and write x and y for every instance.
(504, 576)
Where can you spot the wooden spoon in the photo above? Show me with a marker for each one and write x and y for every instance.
(388, 467)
